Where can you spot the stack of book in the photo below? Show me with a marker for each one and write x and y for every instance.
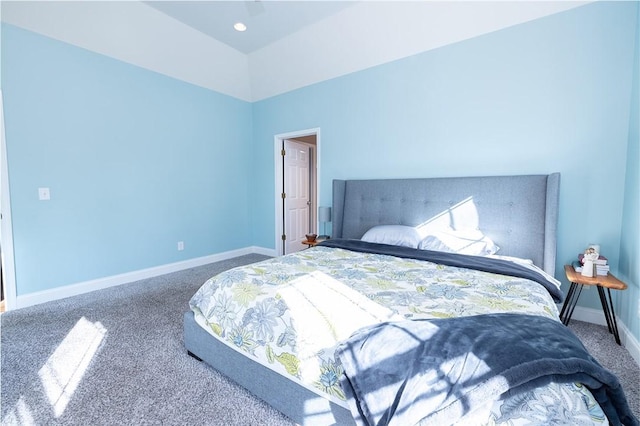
(602, 264)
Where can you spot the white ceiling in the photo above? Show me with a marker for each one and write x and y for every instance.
(288, 44)
(267, 20)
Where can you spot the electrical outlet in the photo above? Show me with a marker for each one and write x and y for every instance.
(44, 194)
(180, 245)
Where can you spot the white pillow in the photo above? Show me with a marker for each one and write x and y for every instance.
(470, 241)
(397, 235)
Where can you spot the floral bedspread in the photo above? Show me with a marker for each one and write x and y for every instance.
(289, 313)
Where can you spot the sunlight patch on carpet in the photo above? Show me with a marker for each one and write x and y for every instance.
(65, 368)
(19, 415)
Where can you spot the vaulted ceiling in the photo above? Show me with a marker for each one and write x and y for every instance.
(287, 44)
(266, 21)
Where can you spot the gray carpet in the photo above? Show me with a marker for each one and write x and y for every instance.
(601, 344)
(133, 368)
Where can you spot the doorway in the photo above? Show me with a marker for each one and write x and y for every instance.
(297, 173)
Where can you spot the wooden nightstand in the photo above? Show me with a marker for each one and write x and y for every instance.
(601, 282)
(313, 243)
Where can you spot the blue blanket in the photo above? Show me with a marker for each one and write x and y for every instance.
(436, 371)
(481, 263)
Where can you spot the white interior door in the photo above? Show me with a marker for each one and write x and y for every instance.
(297, 198)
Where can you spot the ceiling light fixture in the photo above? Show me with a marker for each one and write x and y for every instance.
(239, 26)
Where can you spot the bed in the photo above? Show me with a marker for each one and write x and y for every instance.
(286, 328)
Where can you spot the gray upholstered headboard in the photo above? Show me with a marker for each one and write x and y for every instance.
(519, 213)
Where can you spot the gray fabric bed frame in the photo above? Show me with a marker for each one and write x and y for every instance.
(520, 213)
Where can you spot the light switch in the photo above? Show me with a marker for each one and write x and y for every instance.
(44, 194)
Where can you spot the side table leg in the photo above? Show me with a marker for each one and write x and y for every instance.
(570, 303)
(605, 308)
(567, 299)
(609, 313)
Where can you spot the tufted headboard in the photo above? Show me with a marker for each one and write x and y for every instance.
(519, 213)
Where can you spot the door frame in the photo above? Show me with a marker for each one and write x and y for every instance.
(277, 148)
(6, 230)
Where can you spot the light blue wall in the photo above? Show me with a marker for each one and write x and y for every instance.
(628, 303)
(135, 161)
(549, 95)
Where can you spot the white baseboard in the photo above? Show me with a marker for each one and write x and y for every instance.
(264, 251)
(114, 280)
(596, 316)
